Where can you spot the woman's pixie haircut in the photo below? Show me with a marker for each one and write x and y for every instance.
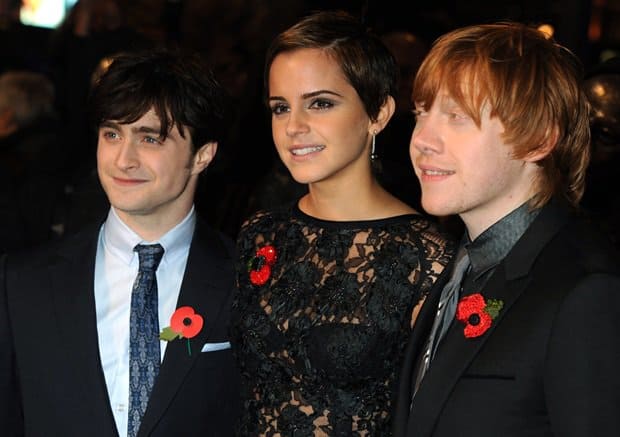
(366, 62)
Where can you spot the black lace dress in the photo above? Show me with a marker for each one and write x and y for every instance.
(320, 343)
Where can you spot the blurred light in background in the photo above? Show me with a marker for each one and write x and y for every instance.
(44, 13)
(547, 29)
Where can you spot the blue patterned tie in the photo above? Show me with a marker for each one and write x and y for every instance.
(144, 353)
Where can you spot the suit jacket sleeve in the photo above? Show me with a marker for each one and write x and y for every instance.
(582, 381)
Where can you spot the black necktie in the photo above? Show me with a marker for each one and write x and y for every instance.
(445, 314)
(144, 352)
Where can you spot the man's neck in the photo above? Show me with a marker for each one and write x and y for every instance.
(152, 227)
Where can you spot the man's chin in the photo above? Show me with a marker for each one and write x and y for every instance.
(436, 208)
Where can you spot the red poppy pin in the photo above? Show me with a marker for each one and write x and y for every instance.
(184, 323)
(260, 265)
(477, 314)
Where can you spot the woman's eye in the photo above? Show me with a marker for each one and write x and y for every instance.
(278, 109)
(321, 104)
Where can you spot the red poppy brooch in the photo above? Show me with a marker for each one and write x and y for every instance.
(184, 323)
(477, 314)
(260, 265)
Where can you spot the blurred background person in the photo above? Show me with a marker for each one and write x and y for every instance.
(602, 195)
(32, 159)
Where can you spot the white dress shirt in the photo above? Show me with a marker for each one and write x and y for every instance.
(115, 271)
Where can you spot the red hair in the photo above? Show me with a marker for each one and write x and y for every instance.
(531, 83)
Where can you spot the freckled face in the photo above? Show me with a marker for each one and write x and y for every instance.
(465, 169)
(142, 174)
(319, 124)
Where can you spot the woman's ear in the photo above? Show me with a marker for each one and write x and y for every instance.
(204, 156)
(385, 114)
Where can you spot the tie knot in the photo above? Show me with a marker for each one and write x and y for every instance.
(149, 256)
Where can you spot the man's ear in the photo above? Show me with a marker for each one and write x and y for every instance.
(541, 152)
(385, 114)
(204, 156)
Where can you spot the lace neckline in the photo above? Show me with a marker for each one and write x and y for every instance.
(300, 215)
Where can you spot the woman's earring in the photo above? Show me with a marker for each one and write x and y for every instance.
(373, 154)
(375, 163)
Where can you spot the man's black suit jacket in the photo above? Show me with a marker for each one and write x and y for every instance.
(51, 379)
(548, 365)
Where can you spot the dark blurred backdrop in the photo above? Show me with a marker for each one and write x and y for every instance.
(234, 34)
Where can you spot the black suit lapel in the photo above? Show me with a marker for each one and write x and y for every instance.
(456, 352)
(206, 287)
(72, 284)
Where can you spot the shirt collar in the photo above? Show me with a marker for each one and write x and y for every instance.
(492, 246)
(120, 239)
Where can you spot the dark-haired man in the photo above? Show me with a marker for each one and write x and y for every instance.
(80, 322)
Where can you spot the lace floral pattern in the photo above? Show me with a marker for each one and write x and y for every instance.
(320, 343)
